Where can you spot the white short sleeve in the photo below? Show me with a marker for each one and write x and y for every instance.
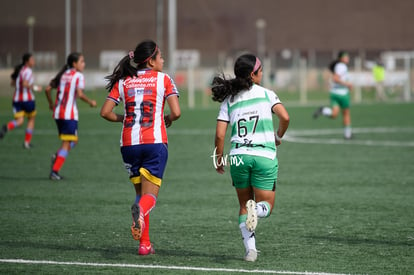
(274, 99)
(340, 69)
(224, 112)
(28, 76)
(81, 82)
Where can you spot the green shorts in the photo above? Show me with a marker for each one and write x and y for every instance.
(343, 101)
(255, 171)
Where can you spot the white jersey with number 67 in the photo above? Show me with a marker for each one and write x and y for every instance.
(250, 116)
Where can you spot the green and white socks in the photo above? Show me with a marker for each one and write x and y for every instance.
(263, 210)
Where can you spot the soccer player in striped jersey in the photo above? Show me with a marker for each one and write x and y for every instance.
(247, 108)
(70, 84)
(139, 83)
(339, 94)
(23, 99)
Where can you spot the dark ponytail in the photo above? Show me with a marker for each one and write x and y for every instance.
(18, 68)
(244, 66)
(72, 58)
(135, 60)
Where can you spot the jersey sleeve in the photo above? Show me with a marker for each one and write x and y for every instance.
(81, 82)
(170, 88)
(274, 99)
(114, 94)
(340, 69)
(224, 112)
(28, 76)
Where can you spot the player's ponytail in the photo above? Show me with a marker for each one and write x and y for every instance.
(19, 67)
(222, 88)
(135, 60)
(72, 58)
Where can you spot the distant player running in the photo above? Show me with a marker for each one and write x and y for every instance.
(247, 108)
(70, 84)
(23, 99)
(139, 83)
(340, 93)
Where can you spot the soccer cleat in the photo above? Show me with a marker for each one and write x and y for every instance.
(3, 131)
(251, 255)
(55, 176)
(349, 137)
(317, 113)
(146, 249)
(138, 224)
(251, 221)
(27, 145)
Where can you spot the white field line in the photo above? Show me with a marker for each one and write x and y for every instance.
(302, 136)
(165, 267)
(298, 136)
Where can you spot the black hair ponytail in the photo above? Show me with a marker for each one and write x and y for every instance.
(19, 67)
(222, 88)
(72, 58)
(135, 60)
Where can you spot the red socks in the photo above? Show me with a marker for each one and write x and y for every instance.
(147, 202)
(145, 238)
(28, 136)
(60, 159)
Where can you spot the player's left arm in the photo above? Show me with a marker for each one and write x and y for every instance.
(82, 96)
(280, 111)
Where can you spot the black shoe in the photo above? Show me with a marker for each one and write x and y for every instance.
(3, 131)
(350, 137)
(55, 176)
(318, 112)
(27, 145)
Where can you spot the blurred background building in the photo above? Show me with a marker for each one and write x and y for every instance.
(280, 31)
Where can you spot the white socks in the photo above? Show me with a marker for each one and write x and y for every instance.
(326, 111)
(263, 209)
(249, 239)
(348, 132)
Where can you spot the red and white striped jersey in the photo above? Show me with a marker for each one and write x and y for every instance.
(22, 94)
(144, 97)
(65, 106)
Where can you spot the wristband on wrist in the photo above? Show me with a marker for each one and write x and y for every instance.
(277, 137)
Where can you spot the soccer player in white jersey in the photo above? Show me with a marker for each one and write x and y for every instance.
(23, 99)
(138, 82)
(339, 94)
(70, 84)
(247, 108)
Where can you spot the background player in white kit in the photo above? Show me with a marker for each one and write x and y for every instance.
(339, 94)
(248, 108)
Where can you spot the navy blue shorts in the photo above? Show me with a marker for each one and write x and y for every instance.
(148, 160)
(68, 129)
(22, 108)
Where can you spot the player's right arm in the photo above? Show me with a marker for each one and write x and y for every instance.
(108, 113)
(221, 129)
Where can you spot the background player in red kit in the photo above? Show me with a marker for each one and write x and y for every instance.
(140, 84)
(23, 99)
(69, 83)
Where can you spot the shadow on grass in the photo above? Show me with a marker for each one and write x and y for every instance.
(116, 253)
